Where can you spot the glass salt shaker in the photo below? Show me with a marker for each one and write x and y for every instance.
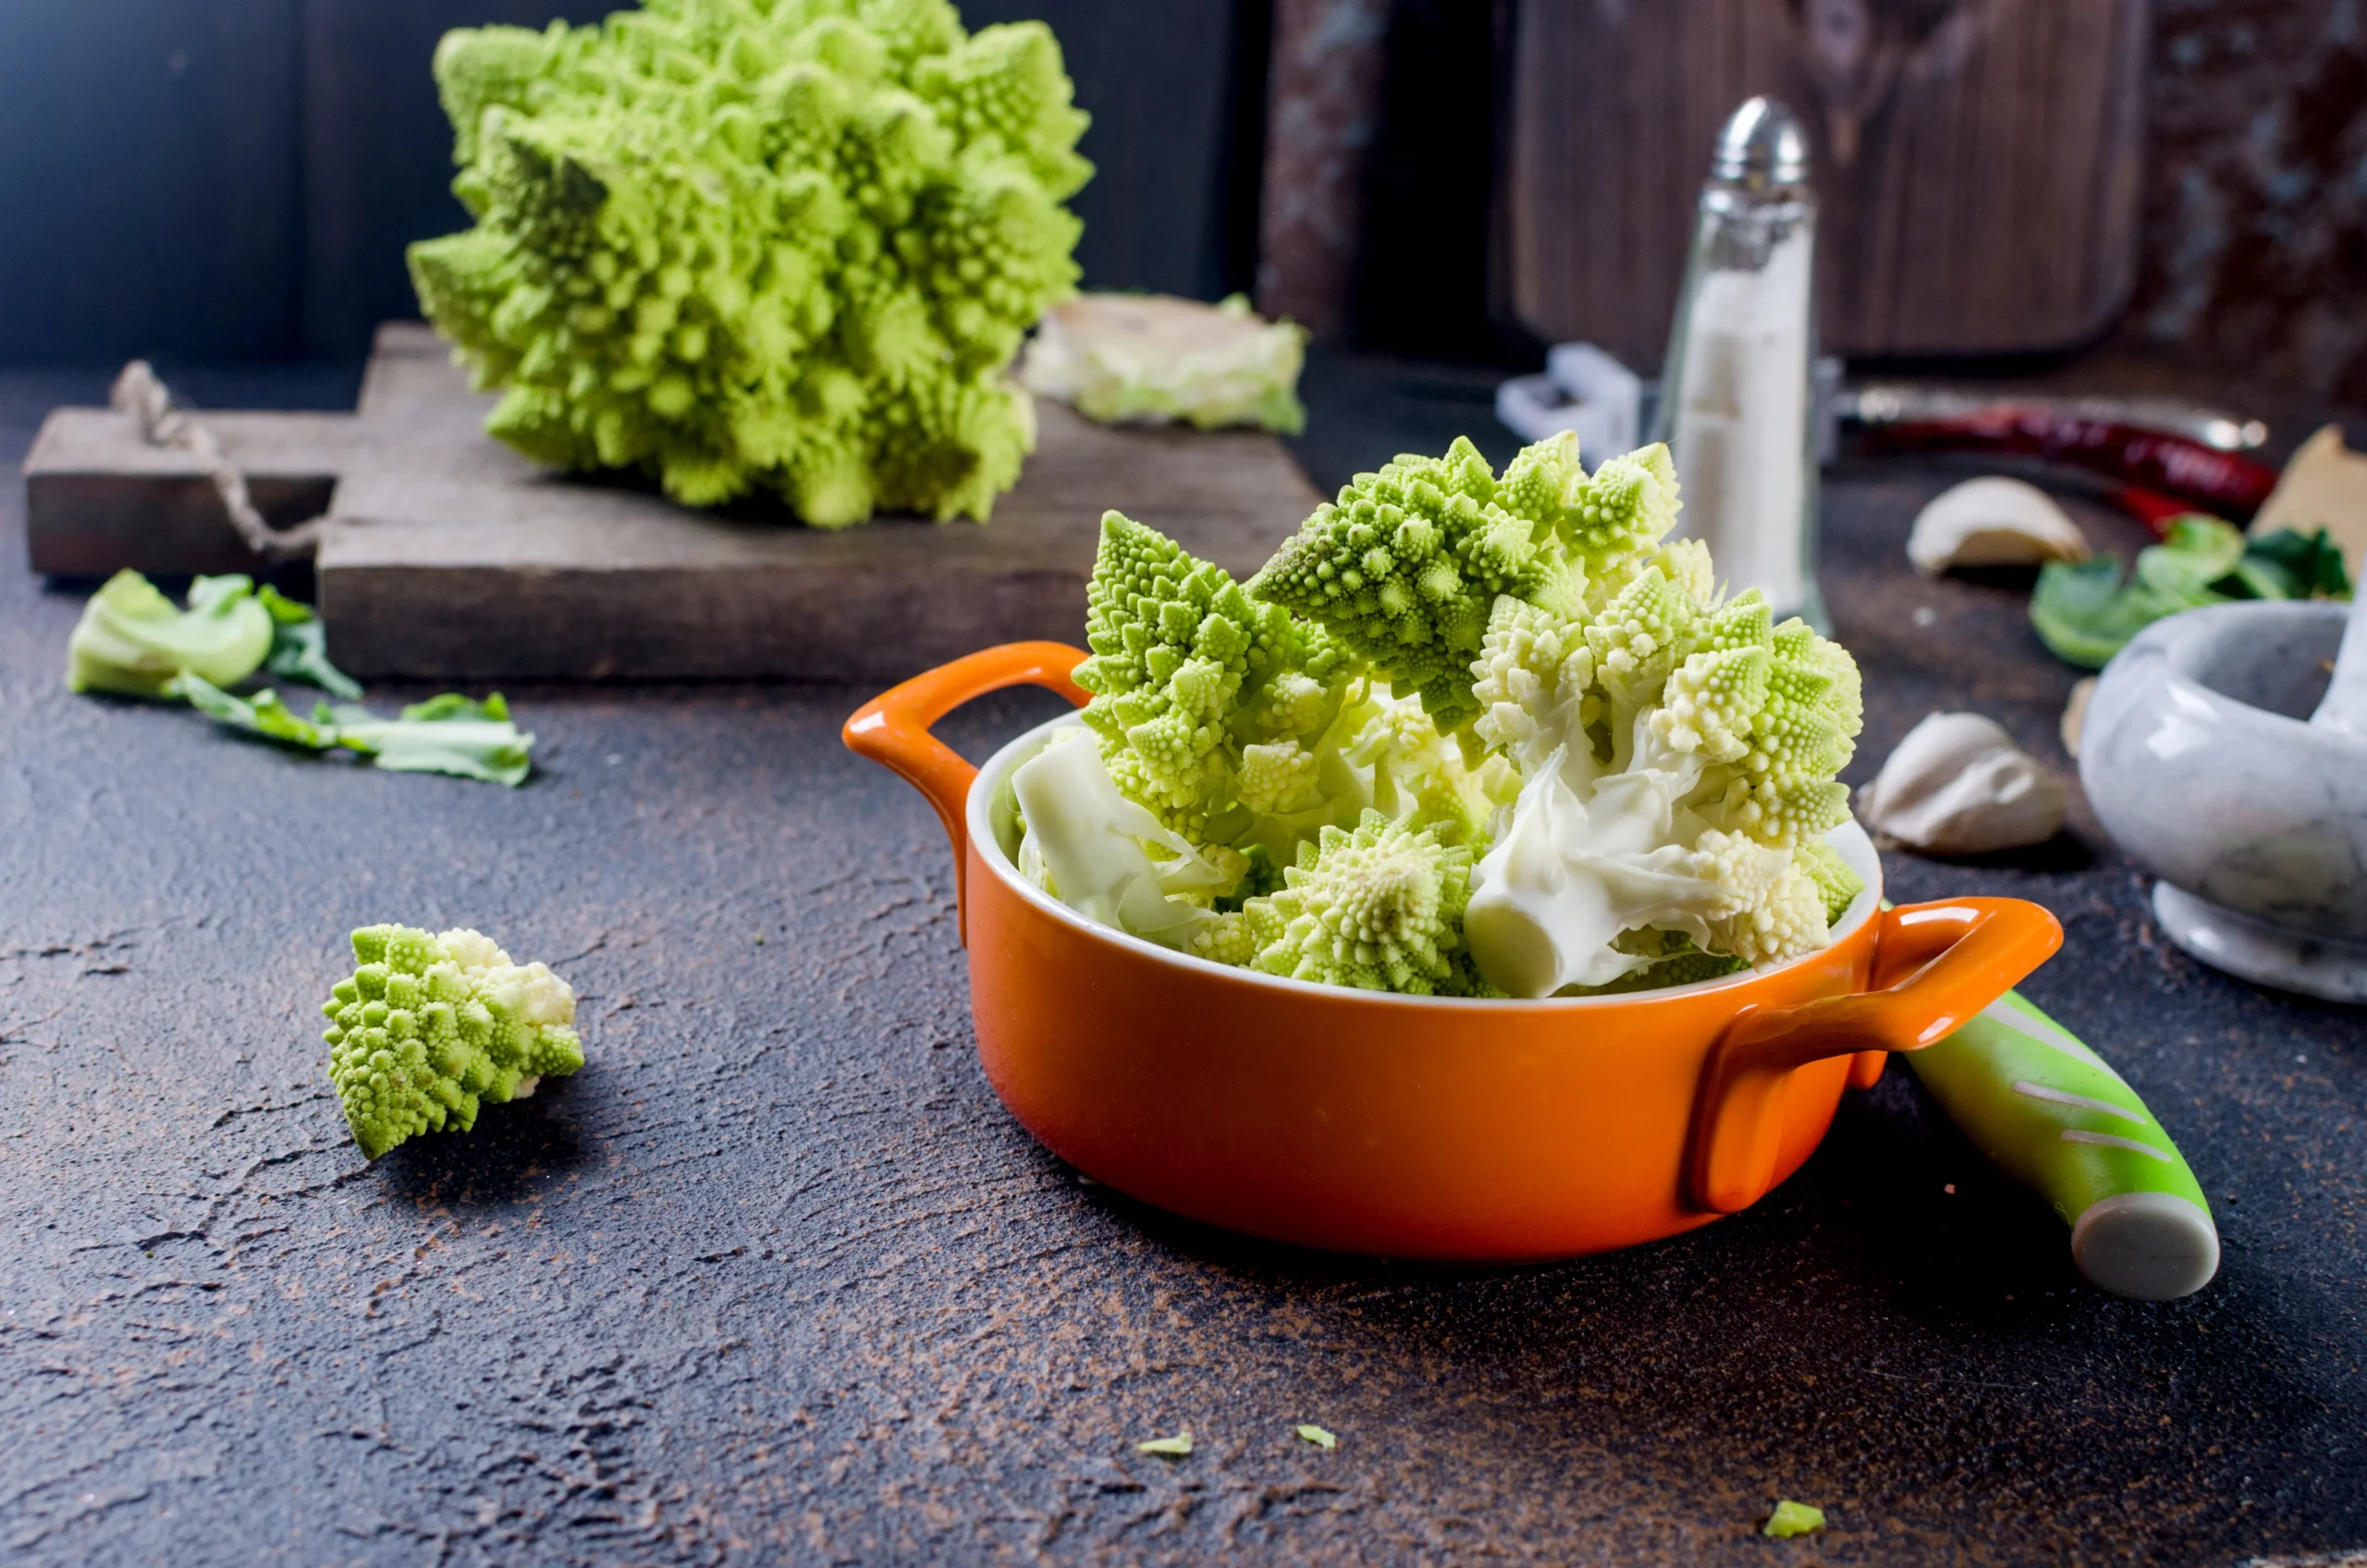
(1736, 403)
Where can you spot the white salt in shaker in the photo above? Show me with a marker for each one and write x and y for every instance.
(1736, 400)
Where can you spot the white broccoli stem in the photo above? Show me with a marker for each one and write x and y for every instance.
(1578, 862)
(1091, 837)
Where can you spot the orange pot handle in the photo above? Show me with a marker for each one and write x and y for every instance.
(1935, 966)
(892, 730)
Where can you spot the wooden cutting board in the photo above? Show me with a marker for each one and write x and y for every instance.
(448, 556)
(1977, 161)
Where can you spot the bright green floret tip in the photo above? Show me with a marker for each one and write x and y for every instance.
(1379, 908)
(744, 245)
(429, 1028)
(1794, 1519)
(1407, 566)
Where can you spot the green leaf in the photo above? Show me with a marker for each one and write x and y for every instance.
(2288, 564)
(131, 640)
(448, 734)
(2085, 614)
(300, 646)
(2081, 613)
(1175, 1447)
(1794, 1519)
(2196, 552)
(1318, 1436)
(264, 714)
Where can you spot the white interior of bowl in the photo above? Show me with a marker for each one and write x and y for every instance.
(993, 816)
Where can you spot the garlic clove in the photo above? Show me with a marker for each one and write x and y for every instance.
(1957, 785)
(1992, 521)
(2075, 715)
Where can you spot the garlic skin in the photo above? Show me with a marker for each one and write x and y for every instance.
(1957, 785)
(2075, 715)
(1992, 521)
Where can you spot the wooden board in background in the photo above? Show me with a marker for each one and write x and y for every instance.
(451, 557)
(1977, 163)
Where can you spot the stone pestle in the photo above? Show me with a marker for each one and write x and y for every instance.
(2344, 707)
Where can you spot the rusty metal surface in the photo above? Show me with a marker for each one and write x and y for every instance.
(2255, 211)
(773, 1278)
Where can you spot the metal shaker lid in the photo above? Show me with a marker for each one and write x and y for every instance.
(1761, 148)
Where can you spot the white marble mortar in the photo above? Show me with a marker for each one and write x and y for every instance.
(2200, 757)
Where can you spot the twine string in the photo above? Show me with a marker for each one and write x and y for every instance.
(139, 392)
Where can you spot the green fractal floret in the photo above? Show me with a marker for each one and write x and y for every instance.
(1379, 908)
(1835, 881)
(1679, 758)
(1203, 698)
(1591, 770)
(430, 1028)
(792, 244)
(1407, 566)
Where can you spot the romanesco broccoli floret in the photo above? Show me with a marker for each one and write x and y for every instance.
(430, 1028)
(1107, 856)
(1379, 908)
(1671, 958)
(781, 243)
(1407, 566)
(1244, 729)
(1835, 881)
(1515, 671)
(1204, 700)
(1676, 753)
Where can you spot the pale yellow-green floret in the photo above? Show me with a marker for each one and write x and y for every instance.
(1378, 909)
(1679, 757)
(429, 1028)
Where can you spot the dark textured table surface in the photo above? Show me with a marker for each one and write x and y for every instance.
(775, 1278)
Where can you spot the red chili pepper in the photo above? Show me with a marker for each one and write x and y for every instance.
(2151, 508)
(2188, 472)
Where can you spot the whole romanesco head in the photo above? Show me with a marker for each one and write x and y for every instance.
(788, 244)
(430, 1028)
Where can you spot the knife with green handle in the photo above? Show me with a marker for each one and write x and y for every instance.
(2047, 1112)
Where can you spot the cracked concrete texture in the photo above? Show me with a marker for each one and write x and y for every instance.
(775, 1278)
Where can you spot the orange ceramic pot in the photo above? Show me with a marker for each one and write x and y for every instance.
(1414, 1126)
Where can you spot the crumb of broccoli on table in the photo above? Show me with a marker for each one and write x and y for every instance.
(428, 1029)
(1794, 1519)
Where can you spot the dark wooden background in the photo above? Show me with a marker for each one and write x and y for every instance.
(235, 179)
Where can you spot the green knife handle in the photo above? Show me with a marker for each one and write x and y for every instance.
(2046, 1110)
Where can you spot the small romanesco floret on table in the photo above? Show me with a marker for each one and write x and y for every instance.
(430, 1028)
(788, 244)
